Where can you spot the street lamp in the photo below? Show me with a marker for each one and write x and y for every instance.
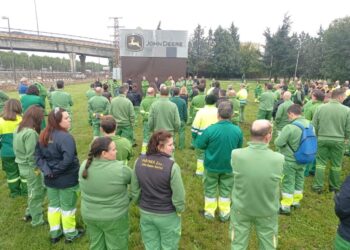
(36, 16)
(13, 55)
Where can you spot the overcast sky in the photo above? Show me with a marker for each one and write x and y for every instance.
(91, 18)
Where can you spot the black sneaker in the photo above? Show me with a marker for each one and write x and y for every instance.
(317, 191)
(80, 233)
(27, 218)
(332, 189)
(56, 240)
(284, 212)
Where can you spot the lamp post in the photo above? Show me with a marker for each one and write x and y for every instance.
(297, 62)
(36, 16)
(13, 56)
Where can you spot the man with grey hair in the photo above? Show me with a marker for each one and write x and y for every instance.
(218, 140)
(257, 172)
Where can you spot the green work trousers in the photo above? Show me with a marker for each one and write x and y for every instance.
(36, 193)
(126, 132)
(310, 168)
(264, 114)
(182, 135)
(111, 235)
(266, 230)
(200, 162)
(241, 112)
(146, 132)
(340, 243)
(160, 231)
(62, 207)
(215, 183)
(137, 112)
(95, 127)
(16, 184)
(292, 184)
(328, 151)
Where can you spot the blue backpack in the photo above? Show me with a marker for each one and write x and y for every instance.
(306, 152)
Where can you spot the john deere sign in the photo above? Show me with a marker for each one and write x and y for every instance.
(153, 43)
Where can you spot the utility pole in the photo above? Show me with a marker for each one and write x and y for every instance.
(36, 16)
(116, 38)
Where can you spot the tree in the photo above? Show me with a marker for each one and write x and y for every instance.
(280, 50)
(336, 51)
(250, 56)
(226, 59)
(198, 51)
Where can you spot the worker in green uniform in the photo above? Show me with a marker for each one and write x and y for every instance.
(24, 143)
(56, 156)
(42, 90)
(144, 85)
(61, 99)
(124, 147)
(163, 114)
(258, 91)
(144, 110)
(90, 92)
(197, 102)
(281, 118)
(189, 86)
(114, 85)
(3, 99)
(257, 172)
(8, 123)
(242, 96)
(267, 100)
(158, 190)
(293, 173)
(218, 141)
(332, 125)
(98, 106)
(104, 183)
(123, 111)
(236, 106)
(182, 109)
(204, 118)
(317, 98)
(31, 98)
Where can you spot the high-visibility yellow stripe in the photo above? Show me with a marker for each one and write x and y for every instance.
(13, 180)
(210, 205)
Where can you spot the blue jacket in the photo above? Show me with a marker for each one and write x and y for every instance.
(58, 161)
(342, 209)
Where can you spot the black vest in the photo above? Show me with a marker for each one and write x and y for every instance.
(154, 173)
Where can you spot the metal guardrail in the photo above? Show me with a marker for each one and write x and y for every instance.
(56, 35)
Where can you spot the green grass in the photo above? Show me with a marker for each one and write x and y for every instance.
(311, 227)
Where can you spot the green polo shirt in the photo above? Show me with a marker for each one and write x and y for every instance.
(218, 140)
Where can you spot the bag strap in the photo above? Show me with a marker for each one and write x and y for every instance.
(299, 125)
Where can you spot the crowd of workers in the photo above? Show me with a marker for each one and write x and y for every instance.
(243, 185)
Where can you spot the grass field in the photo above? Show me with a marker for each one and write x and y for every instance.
(313, 226)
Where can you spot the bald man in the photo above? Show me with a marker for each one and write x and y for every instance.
(257, 174)
(144, 110)
(98, 106)
(281, 118)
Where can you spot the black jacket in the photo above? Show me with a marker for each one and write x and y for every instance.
(58, 161)
(342, 209)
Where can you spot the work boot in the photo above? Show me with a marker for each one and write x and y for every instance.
(284, 211)
(79, 235)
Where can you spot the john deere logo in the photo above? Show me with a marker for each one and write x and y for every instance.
(134, 42)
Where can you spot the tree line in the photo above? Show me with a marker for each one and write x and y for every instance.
(23, 61)
(220, 54)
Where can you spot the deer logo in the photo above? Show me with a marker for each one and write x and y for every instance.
(134, 42)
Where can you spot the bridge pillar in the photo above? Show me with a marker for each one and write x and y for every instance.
(72, 62)
(82, 62)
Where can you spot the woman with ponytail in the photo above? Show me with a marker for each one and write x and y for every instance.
(56, 156)
(104, 191)
(24, 143)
